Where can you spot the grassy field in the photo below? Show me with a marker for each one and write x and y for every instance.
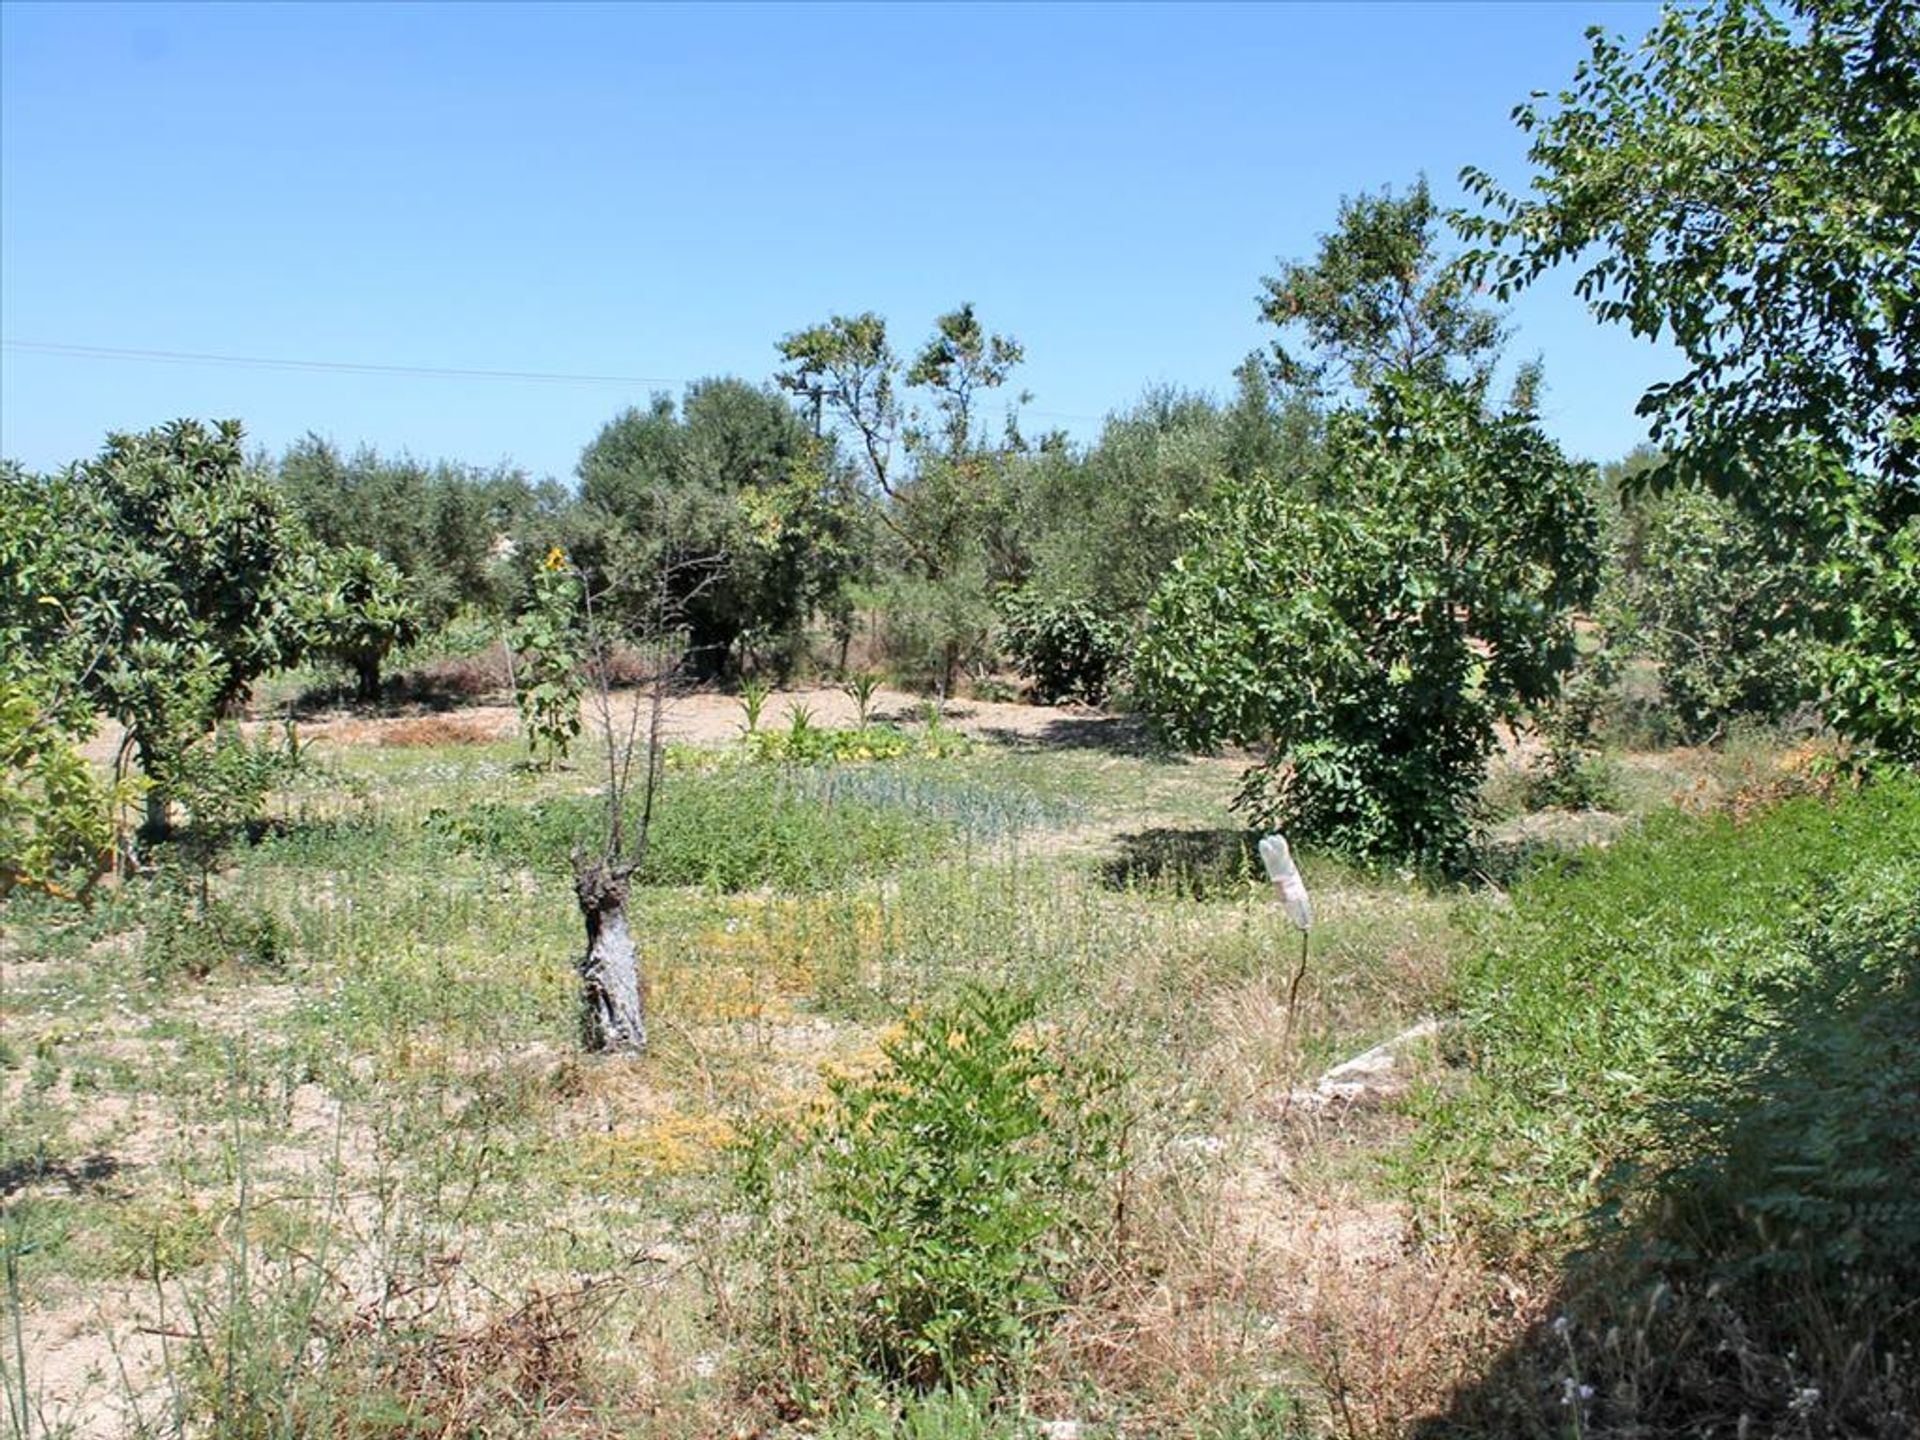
(321, 1157)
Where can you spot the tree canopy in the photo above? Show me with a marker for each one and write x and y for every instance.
(1379, 300)
(1746, 184)
(1367, 630)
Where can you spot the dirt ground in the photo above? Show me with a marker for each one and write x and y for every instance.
(710, 718)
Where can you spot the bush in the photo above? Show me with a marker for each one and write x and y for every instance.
(56, 815)
(1066, 649)
(924, 1229)
(1571, 772)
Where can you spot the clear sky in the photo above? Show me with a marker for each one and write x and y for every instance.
(660, 193)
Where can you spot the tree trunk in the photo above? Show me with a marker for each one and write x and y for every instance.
(366, 670)
(613, 997)
(158, 824)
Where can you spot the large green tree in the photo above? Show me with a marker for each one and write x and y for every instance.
(1366, 625)
(353, 606)
(726, 508)
(1745, 183)
(172, 564)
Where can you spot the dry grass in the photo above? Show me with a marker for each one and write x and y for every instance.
(430, 731)
(522, 1240)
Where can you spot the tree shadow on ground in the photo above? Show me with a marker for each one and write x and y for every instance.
(1111, 734)
(89, 1172)
(1507, 853)
(1197, 863)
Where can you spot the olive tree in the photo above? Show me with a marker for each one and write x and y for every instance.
(732, 497)
(440, 524)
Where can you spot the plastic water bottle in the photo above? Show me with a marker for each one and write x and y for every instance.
(1285, 876)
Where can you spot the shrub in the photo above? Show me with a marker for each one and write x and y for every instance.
(949, 1195)
(223, 780)
(1065, 648)
(194, 936)
(1571, 772)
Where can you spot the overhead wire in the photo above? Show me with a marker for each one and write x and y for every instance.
(353, 367)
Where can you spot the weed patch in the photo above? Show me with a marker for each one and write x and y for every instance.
(723, 832)
(920, 1234)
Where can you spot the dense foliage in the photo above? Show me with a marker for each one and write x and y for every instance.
(56, 812)
(1066, 649)
(1746, 184)
(452, 530)
(183, 559)
(1369, 638)
(1750, 182)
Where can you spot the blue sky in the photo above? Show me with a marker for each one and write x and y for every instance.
(662, 192)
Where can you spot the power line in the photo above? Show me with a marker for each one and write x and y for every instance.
(339, 367)
(351, 367)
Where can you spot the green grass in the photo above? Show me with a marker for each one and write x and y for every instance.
(1686, 1105)
(737, 831)
(1581, 1005)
